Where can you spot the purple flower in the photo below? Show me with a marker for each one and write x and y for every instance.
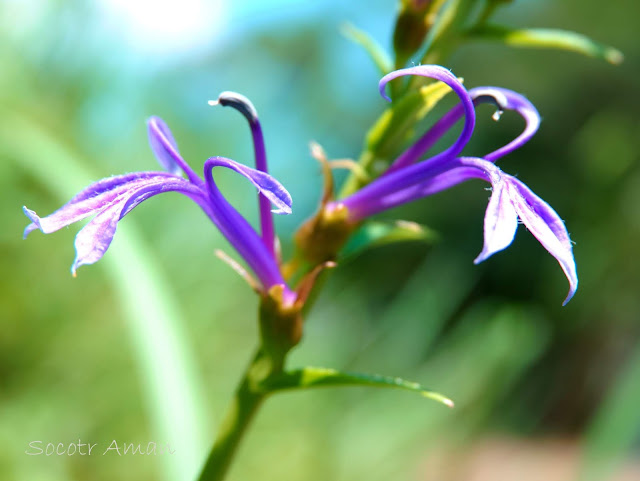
(110, 199)
(407, 179)
(246, 108)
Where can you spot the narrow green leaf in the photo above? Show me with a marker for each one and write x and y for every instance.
(547, 38)
(448, 18)
(377, 233)
(615, 426)
(490, 7)
(309, 377)
(375, 51)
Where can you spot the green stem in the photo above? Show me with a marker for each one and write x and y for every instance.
(353, 183)
(246, 401)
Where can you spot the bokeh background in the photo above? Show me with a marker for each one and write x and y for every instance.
(146, 345)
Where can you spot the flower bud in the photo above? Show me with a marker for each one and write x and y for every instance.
(412, 25)
(321, 237)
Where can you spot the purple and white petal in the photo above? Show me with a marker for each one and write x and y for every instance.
(163, 145)
(266, 185)
(500, 222)
(92, 199)
(547, 226)
(166, 151)
(93, 240)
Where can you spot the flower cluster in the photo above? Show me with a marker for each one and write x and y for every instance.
(110, 199)
(408, 178)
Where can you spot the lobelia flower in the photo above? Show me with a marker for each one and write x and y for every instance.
(243, 105)
(407, 179)
(110, 199)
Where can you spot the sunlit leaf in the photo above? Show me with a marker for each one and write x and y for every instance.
(547, 38)
(309, 377)
(375, 51)
(378, 233)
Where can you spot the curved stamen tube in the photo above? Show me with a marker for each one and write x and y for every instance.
(365, 202)
(394, 189)
(503, 99)
(527, 111)
(413, 153)
(243, 105)
(239, 232)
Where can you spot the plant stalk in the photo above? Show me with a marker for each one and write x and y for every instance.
(246, 402)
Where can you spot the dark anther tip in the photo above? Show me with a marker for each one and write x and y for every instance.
(493, 96)
(239, 102)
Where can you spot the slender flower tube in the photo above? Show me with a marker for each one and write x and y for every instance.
(503, 99)
(243, 105)
(407, 179)
(110, 199)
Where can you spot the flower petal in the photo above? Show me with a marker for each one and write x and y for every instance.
(547, 226)
(510, 100)
(92, 199)
(93, 240)
(266, 185)
(500, 222)
(163, 145)
(165, 149)
(237, 230)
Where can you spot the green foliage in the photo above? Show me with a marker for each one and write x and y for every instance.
(615, 426)
(377, 233)
(492, 336)
(546, 38)
(309, 377)
(377, 54)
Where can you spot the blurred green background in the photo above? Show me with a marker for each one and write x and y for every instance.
(148, 344)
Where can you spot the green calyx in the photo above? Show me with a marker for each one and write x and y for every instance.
(320, 239)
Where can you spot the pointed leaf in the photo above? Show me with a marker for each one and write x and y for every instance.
(377, 233)
(375, 51)
(547, 38)
(309, 377)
